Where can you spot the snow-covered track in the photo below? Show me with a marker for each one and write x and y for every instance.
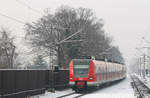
(79, 95)
(140, 88)
(72, 95)
(66, 95)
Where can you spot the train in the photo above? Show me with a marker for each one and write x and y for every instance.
(85, 74)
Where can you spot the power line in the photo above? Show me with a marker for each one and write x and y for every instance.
(26, 5)
(11, 18)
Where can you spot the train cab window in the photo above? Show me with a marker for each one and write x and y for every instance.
(81, 68)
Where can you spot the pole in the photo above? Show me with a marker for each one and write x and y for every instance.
(105, 59)
(140, 65)
(52, 89)
(144, 66)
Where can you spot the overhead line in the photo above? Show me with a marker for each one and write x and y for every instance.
(14, 19)
(24, 4)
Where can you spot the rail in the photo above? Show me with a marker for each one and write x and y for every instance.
(141, 89)
(75, 95)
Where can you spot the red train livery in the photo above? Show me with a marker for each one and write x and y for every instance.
(86, 73)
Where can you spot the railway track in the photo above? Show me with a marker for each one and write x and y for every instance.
(141, 89)
(72, 95)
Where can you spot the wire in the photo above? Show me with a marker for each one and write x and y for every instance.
(14, 19)
(24, 4)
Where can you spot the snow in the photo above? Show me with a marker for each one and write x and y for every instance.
(146, 81)
(56, 94)
(122, 89)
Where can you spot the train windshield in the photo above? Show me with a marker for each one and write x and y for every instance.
(81, 67)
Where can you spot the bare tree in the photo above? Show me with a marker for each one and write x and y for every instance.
(52, 28)
(7, 50)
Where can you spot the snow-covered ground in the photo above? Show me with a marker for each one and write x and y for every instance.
(56, 94)
(146, 81)
(122, 89)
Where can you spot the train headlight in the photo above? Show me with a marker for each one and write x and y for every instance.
(90, 78)
(71, 78)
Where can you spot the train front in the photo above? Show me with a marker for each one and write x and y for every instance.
(81, 74)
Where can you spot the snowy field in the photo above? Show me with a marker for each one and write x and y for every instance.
(122, 89)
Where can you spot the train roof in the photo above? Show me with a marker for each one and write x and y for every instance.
(81, 59)
(97, 61)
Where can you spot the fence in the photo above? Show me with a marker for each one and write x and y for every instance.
(60, 79)
(23, 83)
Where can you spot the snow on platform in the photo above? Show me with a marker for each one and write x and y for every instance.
(122, 89)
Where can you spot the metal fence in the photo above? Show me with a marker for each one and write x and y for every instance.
(60, 79)
(23, 83)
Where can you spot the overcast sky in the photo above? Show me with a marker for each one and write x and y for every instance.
(126, 20)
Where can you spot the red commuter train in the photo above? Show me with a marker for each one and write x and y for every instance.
(86, 73)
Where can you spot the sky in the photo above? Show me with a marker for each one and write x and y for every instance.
(126, 20)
